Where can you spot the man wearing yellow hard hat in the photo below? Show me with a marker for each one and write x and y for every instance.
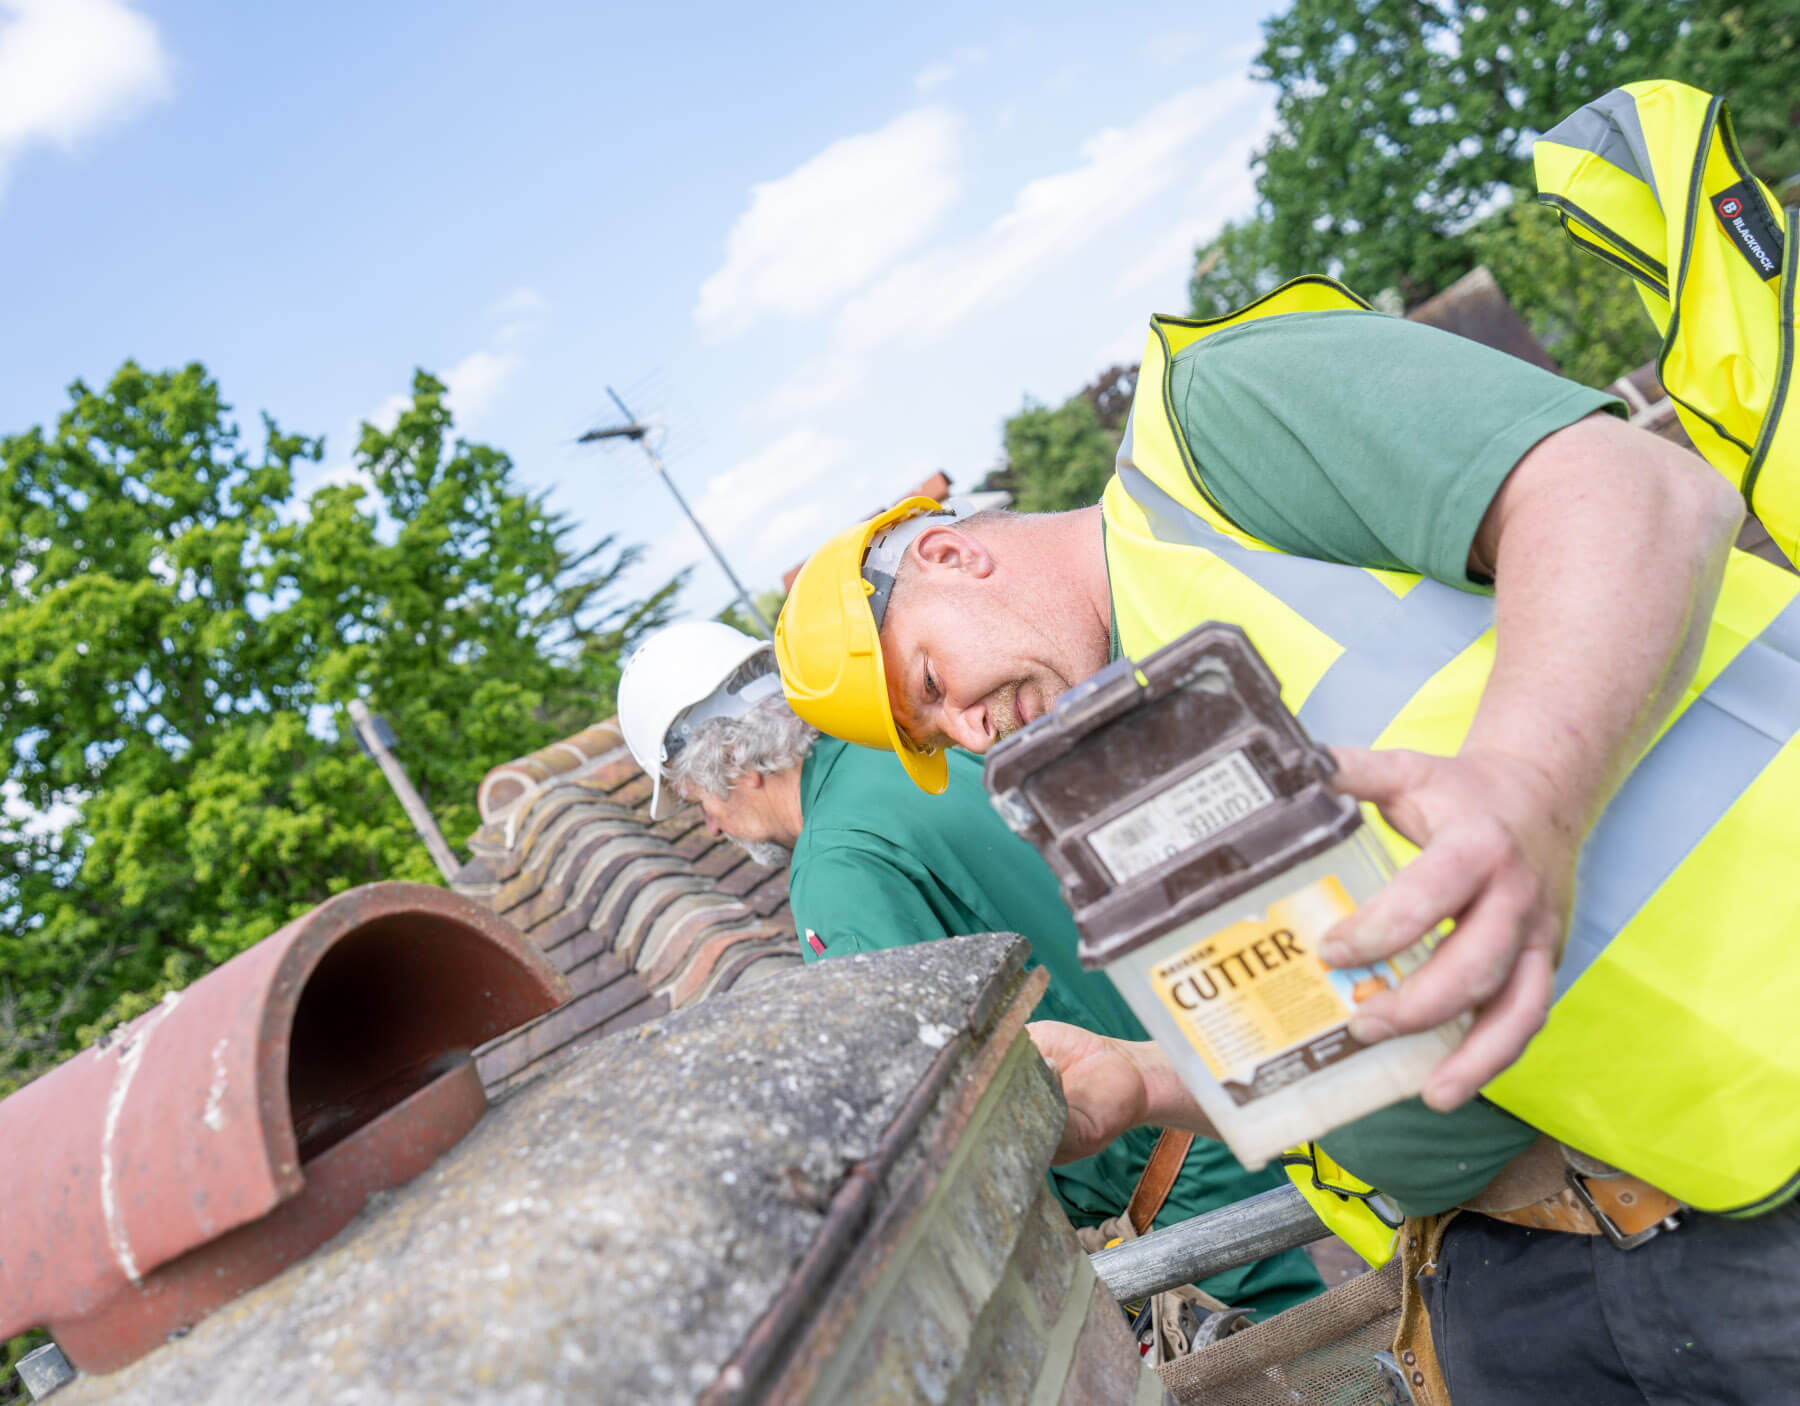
(1522, 623)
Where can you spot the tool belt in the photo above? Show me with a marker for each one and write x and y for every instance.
(1550, 1186)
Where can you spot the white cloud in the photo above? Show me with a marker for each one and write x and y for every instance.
(774, 507)
(1183, 47)
(1126, 348)
(834, 222)
(519, 311)
(346, 476)
(476, 382)
(1230, 193)
(384, 416)
(741, 502)
(935, 75)
(1050, 219)
(69, 68)
(818, 384)
(771, 508)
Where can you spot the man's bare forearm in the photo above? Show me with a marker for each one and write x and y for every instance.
(1607, 546)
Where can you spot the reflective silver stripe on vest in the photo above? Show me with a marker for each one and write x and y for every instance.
(1684, 784)
(1609, 127)
(1392, 644)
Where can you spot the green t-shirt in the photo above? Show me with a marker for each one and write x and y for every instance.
(881, 864)
(1377, 442)
(1354, 437)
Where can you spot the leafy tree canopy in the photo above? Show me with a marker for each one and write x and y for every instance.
(769, 602)
(1238, 266)
(180, 634)
(1398, 120)
(1748, 52)
(1061, 458)
(1402, 125)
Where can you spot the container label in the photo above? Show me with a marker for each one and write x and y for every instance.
(1256, 1002)
(1189, 813)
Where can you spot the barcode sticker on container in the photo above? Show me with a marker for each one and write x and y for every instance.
(1187, 814)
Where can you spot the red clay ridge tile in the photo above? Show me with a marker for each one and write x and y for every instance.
(193, 1153)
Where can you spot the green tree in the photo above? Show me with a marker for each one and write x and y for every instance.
(1237, 266)
(1398, 121)
(1748, 51)
(1061, 458)
(180, 635)
(769, 602)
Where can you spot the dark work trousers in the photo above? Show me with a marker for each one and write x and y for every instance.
(1708, 1313)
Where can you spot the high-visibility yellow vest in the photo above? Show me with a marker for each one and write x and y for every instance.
(1357, 1214)
(1670, 1050)
(1651, 180)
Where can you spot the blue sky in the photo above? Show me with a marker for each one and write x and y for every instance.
(825, 250)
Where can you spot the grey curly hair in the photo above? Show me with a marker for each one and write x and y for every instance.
(769, 738)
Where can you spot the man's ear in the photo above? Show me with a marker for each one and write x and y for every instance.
(751, 780)
(946, 549)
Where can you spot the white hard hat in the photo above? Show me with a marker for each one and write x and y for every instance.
(671, 672)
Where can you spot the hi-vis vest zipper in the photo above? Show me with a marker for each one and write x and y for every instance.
(1670, 1049)
(1650, 179)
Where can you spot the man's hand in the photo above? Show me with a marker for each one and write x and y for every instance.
(1497, 857)
(1113, 1085)
(1103, 1085)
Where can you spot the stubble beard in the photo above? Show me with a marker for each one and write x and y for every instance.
(1003, 706)
(1003, 711)
(764, 852)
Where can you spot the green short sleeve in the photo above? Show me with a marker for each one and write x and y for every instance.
(1359, 438)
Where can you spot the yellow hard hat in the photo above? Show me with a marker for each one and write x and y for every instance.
(829, 649)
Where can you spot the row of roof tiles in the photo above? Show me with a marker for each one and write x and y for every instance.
(640, 916)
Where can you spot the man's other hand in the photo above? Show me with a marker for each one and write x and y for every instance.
(1496, 858)
(1102, 1083)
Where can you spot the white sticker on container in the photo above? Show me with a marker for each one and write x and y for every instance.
(1189, 813)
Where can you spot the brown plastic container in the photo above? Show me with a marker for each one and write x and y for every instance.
(1203, 853)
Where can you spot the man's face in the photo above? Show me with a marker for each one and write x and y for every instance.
(744, 816)
(966, 665)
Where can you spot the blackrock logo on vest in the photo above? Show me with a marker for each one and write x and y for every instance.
(1753, 231)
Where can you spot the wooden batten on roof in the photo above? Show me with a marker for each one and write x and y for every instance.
(641, 917)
